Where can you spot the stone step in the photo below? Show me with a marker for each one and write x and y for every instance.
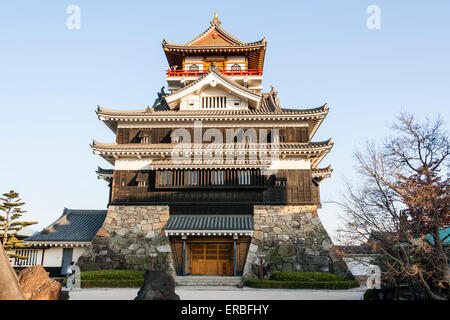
(207, 281)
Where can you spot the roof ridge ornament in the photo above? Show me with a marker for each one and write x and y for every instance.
(274, 95)
(213, 67)
(215, 21)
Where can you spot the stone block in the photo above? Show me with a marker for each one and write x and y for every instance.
(150, 234)
(164, 248)
(287, 267)
(258, 235)
(277, 230)
(253, 248)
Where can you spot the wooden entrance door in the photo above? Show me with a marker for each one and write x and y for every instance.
(212, 259)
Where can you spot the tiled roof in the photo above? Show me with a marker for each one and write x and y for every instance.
(104, 171)
(210, 222)
(73, 225)
(444, 234)
(168, 147)
(267, 108)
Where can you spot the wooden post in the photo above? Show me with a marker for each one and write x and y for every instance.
(234, 262)
(183, 262)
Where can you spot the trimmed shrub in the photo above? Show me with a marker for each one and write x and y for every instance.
(301, 276)
(368, 294)
(112, 283)
(332, 285)
(113, 275)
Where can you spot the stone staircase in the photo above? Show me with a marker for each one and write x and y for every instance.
(207, 281)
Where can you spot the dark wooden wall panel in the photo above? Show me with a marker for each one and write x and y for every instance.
(162, 135)
(286, 187)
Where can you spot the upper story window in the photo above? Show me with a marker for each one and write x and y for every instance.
(194, 68)
(209, 178)
(235, 67)
(146, 139)
(214, 102)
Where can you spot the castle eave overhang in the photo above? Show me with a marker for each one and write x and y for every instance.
(183, 48)
(168, 147)
(319, 174)
(58, 244)
(105, 174)
(315, 151)
(210, 225)
(267, 112)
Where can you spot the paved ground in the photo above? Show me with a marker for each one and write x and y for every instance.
(224, 293)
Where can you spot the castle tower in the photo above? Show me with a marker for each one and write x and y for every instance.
(216, 173)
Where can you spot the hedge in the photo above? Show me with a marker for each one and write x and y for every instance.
(113, 275)
(333, 285)
(112, 283)
(301, 276)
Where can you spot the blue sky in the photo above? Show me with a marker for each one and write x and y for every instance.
(52, 78)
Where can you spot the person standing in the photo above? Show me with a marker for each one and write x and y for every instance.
(70, 274)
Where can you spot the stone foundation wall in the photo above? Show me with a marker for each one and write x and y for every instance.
(292, 238)
(127, 238)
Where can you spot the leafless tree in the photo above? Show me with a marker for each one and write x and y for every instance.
(400, 205)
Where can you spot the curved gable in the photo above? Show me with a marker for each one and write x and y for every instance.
(232, 95)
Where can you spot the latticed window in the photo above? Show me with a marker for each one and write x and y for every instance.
(194, 68)
(209, 177)
(235, 67)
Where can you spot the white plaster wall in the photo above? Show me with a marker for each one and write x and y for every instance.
(53, 255)
(358, 266)
(193, 59)
(77, 252)
(132, 164)
(193, 101)
(291, 164)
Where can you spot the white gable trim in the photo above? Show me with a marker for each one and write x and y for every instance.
(212, 80)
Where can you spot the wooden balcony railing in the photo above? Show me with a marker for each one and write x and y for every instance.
(189, 73)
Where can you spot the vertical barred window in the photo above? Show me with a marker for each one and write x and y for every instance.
(214, 102)
(209, 177)
(146, 139)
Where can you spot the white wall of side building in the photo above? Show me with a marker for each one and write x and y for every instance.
(53, 256)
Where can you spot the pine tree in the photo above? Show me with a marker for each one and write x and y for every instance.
(9, 225)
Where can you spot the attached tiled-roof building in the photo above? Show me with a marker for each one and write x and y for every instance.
(63, 241)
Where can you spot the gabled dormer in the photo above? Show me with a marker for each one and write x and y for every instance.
(213, 91)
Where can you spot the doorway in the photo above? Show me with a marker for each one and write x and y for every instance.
(66, 259)
(212, 258)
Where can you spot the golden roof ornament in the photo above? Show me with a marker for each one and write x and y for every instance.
(215, 21)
